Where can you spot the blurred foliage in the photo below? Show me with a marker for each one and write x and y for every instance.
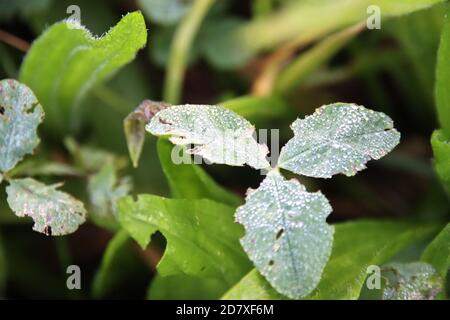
(270, 61)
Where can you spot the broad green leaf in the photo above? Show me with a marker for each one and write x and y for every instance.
(338, 138)
(119, 267)
(183, 287)
(165, 12)
(411, 281)
(134, 127)
(20, 115)
(190, 181)
(302, 20)
(54, 212)
(104, 190)
(437, 252)
(356, 246)
(441, 152)
(219, 135)
(252, 287)
(202, 238)
(287, 236)
(443, 77)
(77, 61)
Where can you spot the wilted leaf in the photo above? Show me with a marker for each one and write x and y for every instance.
(165, 12)
(287, 237)
(104, 190)
(53, 212)
(190, 181)
(411, 281)
(202, 238)
(134, 126)
(219, 135)
(338, 138)
(20, 115)
(66, 61)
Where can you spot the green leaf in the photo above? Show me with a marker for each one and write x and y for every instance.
(20, 115)
(165, 12)
(115, 265)
(441, 152)
(134, 127)
(183, 287)
(338, 138)
(356, 246)
(252, 287)
(190, 181)
(66, 61)
(104, 190)
(437, 253)
(287, 236)
(202, 238)
(411, 281)
(54, 212)
(219, 135)
(443, 77)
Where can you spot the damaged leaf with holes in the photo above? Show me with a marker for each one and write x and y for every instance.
(338, 138)
(287, 236)
(218, 135)
(411, 281)
(54, 212)
(20, 115)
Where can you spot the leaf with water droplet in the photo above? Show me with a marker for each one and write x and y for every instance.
(411, 281)
(287, 236)
(54, 212)
(219, 135)
(20, 115)
(338, 138)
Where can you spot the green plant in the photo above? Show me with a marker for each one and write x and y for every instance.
(200, 238)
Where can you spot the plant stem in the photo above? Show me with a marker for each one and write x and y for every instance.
(182, 41)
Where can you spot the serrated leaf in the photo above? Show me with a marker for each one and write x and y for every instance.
(134, 126)
(77, 61)
(165, 12)
(411, 281)
(338, 138)
(287, 236)
(105, 189)
(202, 238)
(190, 181)
(356, 246)
(219, 135)
(53, 212)
(20, 115)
